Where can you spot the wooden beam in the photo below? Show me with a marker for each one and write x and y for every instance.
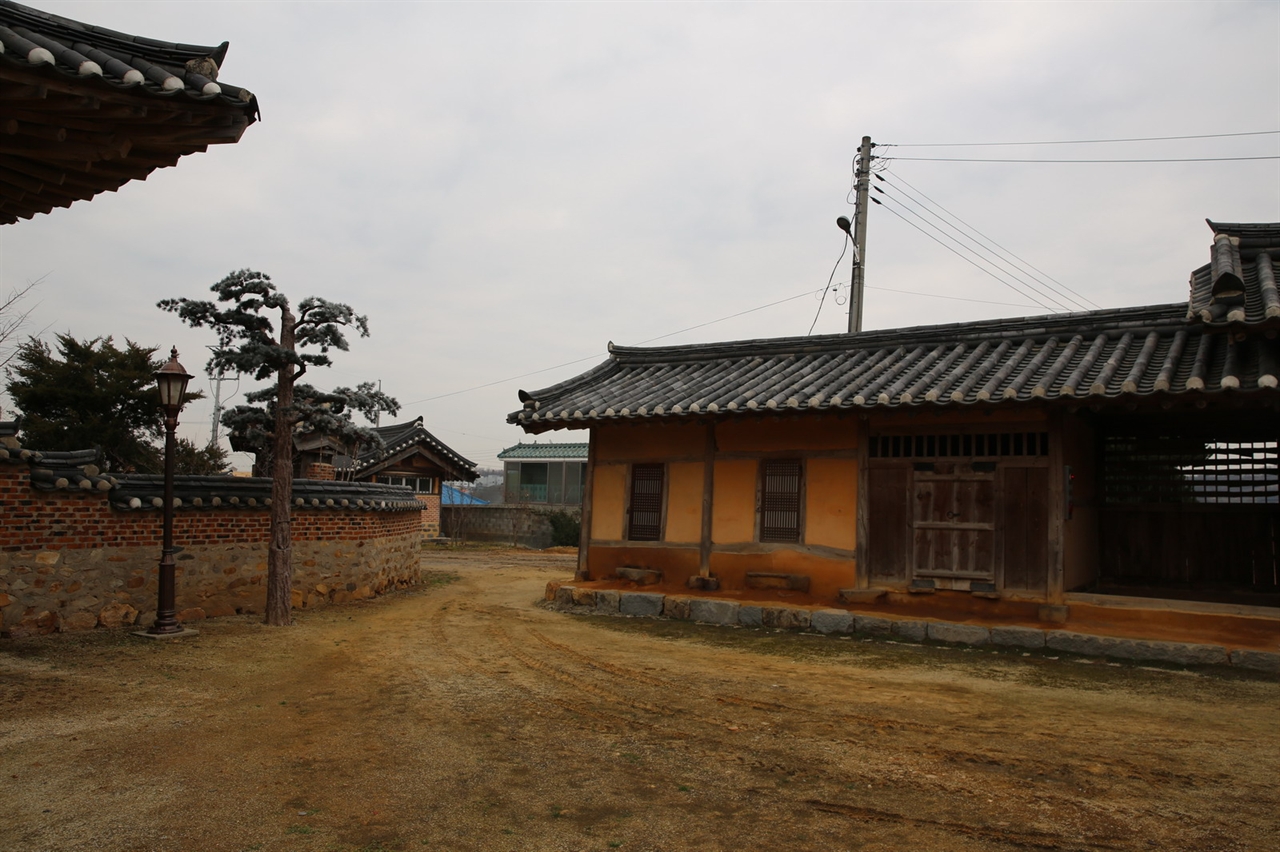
(588, 495)
(862, 520)
(708, 499)
(40, 171)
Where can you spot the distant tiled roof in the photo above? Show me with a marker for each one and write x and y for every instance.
(1110, 354)
(1238, 285)
(401, 437)
(544, 451)
(84, 109)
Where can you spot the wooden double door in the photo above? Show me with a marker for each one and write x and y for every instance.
(953, 523)
(958, 522)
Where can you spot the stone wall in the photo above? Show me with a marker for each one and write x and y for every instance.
(510, 523)
(71, 558)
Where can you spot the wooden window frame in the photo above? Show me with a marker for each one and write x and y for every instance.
(629, 534)
(763, 497)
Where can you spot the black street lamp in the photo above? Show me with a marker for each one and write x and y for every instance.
(172, 381)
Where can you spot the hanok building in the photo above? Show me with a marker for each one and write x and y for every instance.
(85, 110)
(544, 473)
(1113, 457)
(412, 457)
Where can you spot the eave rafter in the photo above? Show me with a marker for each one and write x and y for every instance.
(71, 131)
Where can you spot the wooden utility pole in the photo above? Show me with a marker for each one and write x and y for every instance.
(863, 186)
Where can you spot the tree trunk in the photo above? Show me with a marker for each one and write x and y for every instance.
(280, 550)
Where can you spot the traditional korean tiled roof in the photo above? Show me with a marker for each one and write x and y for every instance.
(1095, 355)
(544, 451)
(146, 491)
(85, 109)
(402, 438)
(1237, 287)
(77, 470)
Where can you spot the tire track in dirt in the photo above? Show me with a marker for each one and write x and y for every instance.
(1021, 838)
(528, 696)
(976, 766)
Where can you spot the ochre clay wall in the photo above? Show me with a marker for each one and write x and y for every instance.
(828, 448)
(609, 501)
(733, 506)
(684, 502)
(68, 561)
(831, 501)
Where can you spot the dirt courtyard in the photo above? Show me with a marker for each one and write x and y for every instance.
(463, 716)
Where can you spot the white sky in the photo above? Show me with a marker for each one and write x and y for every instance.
(504, 187)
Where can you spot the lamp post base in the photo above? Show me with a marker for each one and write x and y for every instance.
(178, 634)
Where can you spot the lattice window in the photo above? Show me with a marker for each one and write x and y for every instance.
(1168, 469)
(780, 500)
(983, 445)
(644, 516)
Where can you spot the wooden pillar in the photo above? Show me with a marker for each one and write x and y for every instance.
(1055, 593)
(862, 519)
(708, 499)
(588, 490)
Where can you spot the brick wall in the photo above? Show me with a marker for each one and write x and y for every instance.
(430, 514)
(69, 561)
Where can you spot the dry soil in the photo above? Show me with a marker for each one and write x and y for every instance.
(464, 716)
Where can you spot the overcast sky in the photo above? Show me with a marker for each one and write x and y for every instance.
(503, 188)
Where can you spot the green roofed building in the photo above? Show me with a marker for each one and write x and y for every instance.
(544, 473)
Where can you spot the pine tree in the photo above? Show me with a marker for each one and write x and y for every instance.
(261, 335)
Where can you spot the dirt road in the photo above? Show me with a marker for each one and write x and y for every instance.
(461, 716)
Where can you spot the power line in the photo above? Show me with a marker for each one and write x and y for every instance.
(1075, 141)
(844, 247)
(968, 260)
(1080, 299)
(998, 262)
(1152, 160)
(703, 325)
(955, 298)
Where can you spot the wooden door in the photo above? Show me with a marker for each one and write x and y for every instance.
(954, 522)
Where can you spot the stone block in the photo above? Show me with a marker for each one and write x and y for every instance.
(831, 621)
(961, 634)
(786, 618)
(194, 613)
(584, 597)
(1265, 661)
(713, 611)
(1017, 637)
(48, 557)
(772, 580)
(641, 604)
(117, 614)
(607, 602)
(915, 631)
(862, 596)
(872, 625)
(1080, 643)
(750, 615)
(1182, 653)
(640, 576)
(36, 624)
(677, 608)
(564, 596)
